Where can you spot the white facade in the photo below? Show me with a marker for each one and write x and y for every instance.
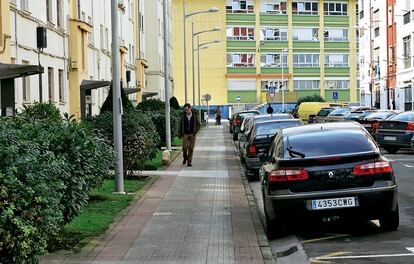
(154, 50)
(25, 16)
(405, 48)
(373, 51)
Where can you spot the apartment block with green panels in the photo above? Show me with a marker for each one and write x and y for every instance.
(304, 47)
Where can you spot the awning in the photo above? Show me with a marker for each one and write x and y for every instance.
(130, 90)
(11, 71)
(148, 94)
(91, 84)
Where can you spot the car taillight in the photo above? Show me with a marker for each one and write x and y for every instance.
(374, 127)
(252, 149)
(237, 122)
(288, 175)
(372, 168)
(409, 127)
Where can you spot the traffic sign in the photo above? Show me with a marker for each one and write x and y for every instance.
(335, 95)
(238, 98)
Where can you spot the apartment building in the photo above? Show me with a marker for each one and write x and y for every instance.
(303, 47)
(154, 49)
(76, 63)
(405, 66)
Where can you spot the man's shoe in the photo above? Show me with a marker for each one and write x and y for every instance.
(189, 164)
(184, 162)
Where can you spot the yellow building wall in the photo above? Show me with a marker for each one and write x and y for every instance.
(213, 64)
(140, 62)
(5, 31)
(353, 51)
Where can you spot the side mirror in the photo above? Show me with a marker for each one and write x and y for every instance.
(262, 157)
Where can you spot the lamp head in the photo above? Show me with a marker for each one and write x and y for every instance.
(216, 29)
(213, 10)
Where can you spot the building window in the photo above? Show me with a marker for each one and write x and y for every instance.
(407, 18)
(277, 34)
(239, 6)
(306, 34)
(26, 85)
(24, 5)
(102, 37)
(276, 84)
(376, 31)
(59, 15)
(305, 8)
(336, 60)
(306, 84)
(305, 60)
(336, 84)
(275, 8)
(106, 39)
(243, 60)
(335, 34)
(61, 87)
(90, 34)
(240, 33)
(50, 81)
(335, 9)
(407, 52)
(273, 60)
(49, 10)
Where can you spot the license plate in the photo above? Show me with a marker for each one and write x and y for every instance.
(390, 138)
(344, 202)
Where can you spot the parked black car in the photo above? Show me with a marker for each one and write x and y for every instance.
(238, 120)
(321, 115)
(247, 126)
(371, 121)
(331, 169)
(396, 132)
(259, 141)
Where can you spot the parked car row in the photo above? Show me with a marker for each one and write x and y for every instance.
(322, 170)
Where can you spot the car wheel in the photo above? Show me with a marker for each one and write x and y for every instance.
(274, 228)
(390, 220)
(235, 136)
(391, 149)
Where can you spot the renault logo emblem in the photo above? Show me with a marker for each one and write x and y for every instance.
(331, 174)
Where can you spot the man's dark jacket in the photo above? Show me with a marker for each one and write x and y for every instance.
(186, 127)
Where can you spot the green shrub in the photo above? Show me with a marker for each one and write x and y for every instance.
(30, 194)
(158, 118)
(47, 170)
(310, 98)
(40, 112)
(139, 137)
(151, 105)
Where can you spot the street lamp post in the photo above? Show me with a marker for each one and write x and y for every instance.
(185, 16)
(283, 79)
(166, 81)
(193, 49)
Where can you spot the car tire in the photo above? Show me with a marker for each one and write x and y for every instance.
(235, 136)
(391, 149)
(275, 228)
(390, 220)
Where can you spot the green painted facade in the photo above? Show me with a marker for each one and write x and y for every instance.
(247, 97)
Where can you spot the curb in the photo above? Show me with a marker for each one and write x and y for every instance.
(267, 255)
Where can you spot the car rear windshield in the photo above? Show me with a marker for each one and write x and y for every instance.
(329, 142)
(243, 115)
(406, 116)
(340, 112)
(324, 112)
(380, 115)
(272, 127)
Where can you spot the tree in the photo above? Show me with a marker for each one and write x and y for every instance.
(174, 103)
(310, 98)
(108, 105)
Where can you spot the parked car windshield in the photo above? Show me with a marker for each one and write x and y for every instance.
(340, 112)
(243, 115)
(270, 128)
(406, 116)
(330, 143)
(380, 115)
(324, 111)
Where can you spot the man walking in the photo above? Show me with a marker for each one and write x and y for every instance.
(187, 129)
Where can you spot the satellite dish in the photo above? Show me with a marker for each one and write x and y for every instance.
(207, 97)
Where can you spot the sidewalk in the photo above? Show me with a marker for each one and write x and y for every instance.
(196, 214)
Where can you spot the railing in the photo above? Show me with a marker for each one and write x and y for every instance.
(336, 39)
